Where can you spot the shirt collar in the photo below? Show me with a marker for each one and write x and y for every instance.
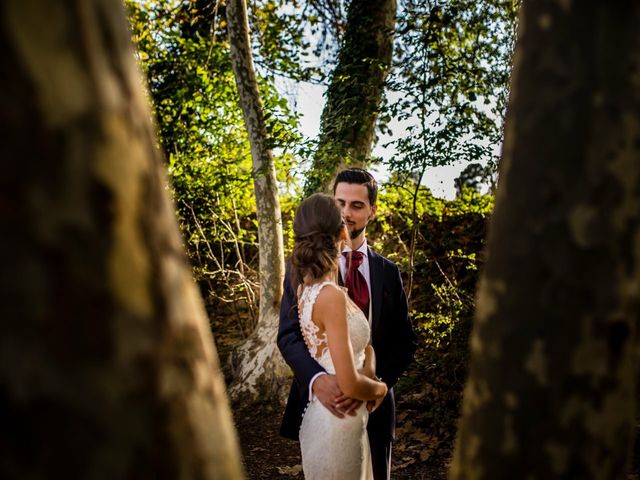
(363, 248)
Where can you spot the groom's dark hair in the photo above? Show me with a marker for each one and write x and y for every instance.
(361, 177)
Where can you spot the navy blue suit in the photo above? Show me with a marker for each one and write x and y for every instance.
(393, 340)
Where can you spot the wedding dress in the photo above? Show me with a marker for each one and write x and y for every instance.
(333, 448)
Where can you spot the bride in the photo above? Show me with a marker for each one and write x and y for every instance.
(337, 335)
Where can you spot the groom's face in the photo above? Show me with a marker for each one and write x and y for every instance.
(357, 211)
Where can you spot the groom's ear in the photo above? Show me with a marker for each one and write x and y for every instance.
(373, 212)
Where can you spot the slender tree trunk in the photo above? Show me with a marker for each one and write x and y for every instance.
(107, 365)
(347, 128)
(261, 369)
(554, 347)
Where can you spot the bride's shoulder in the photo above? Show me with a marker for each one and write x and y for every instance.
(330, 295)
(330, 306)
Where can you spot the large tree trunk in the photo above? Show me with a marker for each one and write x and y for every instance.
(348, 122)
(260, 369)
(107, 365)
(554, 347)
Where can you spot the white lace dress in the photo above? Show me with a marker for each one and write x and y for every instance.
(333, 448)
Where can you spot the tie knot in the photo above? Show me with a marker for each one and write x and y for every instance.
(356, 259)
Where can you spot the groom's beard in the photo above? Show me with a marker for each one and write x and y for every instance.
(355, 233)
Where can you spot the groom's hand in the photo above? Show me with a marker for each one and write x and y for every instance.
(348, 405)
(326, 390)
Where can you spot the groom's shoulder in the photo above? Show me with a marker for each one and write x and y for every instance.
(385, 261)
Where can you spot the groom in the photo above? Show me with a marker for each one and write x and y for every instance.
(383, 301)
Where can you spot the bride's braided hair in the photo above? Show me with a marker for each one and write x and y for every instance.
(317, 225)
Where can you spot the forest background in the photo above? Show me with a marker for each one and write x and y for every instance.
(109, 367)
(440, 102)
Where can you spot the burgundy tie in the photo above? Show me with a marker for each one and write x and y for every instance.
(355, 282)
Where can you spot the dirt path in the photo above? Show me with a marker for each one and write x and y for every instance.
(267, 455)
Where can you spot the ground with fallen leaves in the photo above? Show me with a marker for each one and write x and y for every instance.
(267, 455)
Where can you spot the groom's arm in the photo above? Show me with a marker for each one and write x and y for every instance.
(290, 341)
(402, 341)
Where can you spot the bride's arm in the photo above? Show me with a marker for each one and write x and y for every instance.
(330, 311)
(369, 368)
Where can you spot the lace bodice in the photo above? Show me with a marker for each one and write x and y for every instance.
(359, 331)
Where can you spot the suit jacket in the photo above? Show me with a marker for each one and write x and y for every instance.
(393, 340)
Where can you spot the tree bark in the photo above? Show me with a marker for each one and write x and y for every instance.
(347, 127)
(554, 348)
(261, 369)
(107, 364)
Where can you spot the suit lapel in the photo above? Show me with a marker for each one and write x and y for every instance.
(375, 276)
